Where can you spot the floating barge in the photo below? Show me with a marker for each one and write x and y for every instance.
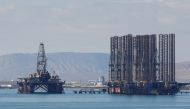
(42, 80)
(143, 88)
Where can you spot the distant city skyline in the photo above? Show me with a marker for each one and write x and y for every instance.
(86, 26)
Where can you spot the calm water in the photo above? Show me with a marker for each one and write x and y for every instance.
(9, 99)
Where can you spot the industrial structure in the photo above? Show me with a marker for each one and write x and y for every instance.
(142, 64)
(42, 79)
(167, 57)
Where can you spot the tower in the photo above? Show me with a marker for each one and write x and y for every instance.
(42, 64)
(127, 58)
(167, 57)
(145, 58)
(41, 60)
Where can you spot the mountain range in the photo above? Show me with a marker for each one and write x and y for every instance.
(69, 66)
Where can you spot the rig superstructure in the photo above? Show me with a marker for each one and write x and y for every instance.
(142, 65)
(41, 79)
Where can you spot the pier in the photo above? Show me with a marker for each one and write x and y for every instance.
(87, 89)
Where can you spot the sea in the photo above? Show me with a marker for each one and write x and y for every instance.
(10, 99)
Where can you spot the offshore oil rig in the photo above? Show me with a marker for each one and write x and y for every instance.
(142, 65)
(41, 79)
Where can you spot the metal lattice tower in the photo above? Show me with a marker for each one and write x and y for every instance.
(127, 58)
(133, 58)
(167, 57)
(41, 60)
(145, 56)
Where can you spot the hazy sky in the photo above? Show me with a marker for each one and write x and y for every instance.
(87, 25)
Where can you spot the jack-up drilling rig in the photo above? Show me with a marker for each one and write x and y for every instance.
(42, 79)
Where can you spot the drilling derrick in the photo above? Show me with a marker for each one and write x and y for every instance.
(42, 64)
(41, 79)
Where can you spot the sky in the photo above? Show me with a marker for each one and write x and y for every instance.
(87, 25)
